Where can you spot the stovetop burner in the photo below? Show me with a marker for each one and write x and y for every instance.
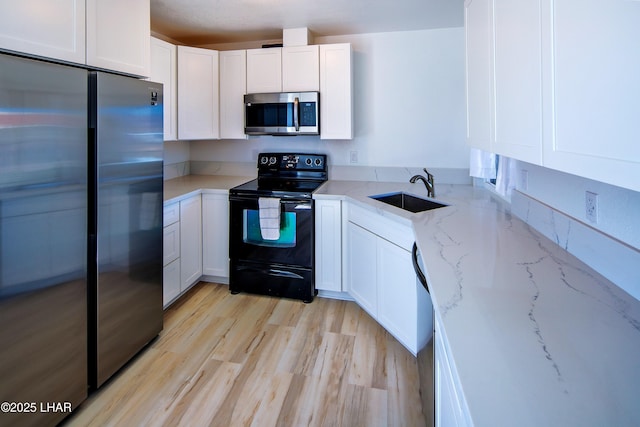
(286, 174)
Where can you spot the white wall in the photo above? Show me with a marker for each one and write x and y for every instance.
(408, 100)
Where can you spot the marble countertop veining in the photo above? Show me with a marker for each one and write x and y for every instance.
(537, 337)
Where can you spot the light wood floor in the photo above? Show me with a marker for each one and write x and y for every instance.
(240, 360)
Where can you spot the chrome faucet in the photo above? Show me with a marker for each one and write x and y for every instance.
(428, 182)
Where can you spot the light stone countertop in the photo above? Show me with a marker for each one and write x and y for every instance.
(537, 337)
(180, 188)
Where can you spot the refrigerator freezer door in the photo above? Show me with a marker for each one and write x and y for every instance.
(128, 134)
(43, 226)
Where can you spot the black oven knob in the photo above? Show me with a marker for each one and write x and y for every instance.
(264, 160)
(318, 161)
(308, 161)
(272, 161)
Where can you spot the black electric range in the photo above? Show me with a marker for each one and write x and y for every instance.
(271, 227)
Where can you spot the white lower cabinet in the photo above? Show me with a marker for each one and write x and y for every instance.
(379, 274)
(328, 245)
(215, 235)
(182, 247)
(450, 406)
(190, 241)
(361, 268)
(397, 308)
(171, 282)
(171, 253)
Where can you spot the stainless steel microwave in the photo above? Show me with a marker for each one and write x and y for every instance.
(286, 113)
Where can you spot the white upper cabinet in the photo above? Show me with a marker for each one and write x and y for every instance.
(198, 96)
(563, 84)
(264, 70)
(479, 78)
(233, 86)
(44, 28)
(504, 77)
(518, 79)
(108, 34)
(300, 68)
(594, 90)
(118, 35)
(164, 69)
(336, 96)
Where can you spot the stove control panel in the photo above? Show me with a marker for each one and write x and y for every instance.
(288, 161)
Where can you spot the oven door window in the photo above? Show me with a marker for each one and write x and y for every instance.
(252, 233)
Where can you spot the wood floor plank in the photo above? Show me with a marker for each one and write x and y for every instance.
(251, 360)
(368, 366)
(364, 406)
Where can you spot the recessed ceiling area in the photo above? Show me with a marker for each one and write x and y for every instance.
(226, 21)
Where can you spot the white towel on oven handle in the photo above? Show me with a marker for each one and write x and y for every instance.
(269, 210)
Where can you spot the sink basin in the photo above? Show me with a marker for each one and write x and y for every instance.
(407, 202)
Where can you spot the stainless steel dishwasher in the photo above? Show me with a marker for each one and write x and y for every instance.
(426, 355)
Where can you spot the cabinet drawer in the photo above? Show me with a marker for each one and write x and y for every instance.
(171, 214)
(171, 243)
(389, 229)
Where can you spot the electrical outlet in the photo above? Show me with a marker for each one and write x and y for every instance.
(591, 206)
(353, 156)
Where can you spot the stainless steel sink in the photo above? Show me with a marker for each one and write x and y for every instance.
(407, 202)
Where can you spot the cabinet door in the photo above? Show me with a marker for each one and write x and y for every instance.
(118, 35)
(215, 228)
(170, 282)
(171, 243)
(336, 98)
(44, 28)
(450, 406)
(478, 35)
(397, 298)
(233, 86)
(190, 241)
(300, 68)
(517, 83)
(197, 93)
(164, 69)
(328, 243)
(264, 70)
(362, 268)
(595, 63)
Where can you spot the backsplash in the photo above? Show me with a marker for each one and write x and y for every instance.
(340, 172)
(175, 170)
(610, 257)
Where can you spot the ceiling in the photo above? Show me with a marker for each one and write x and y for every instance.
(197, 22)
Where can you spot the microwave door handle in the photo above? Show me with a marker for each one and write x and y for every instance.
(296, 112)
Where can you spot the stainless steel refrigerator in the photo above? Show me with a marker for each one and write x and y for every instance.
(80, 232)
(125, 220)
